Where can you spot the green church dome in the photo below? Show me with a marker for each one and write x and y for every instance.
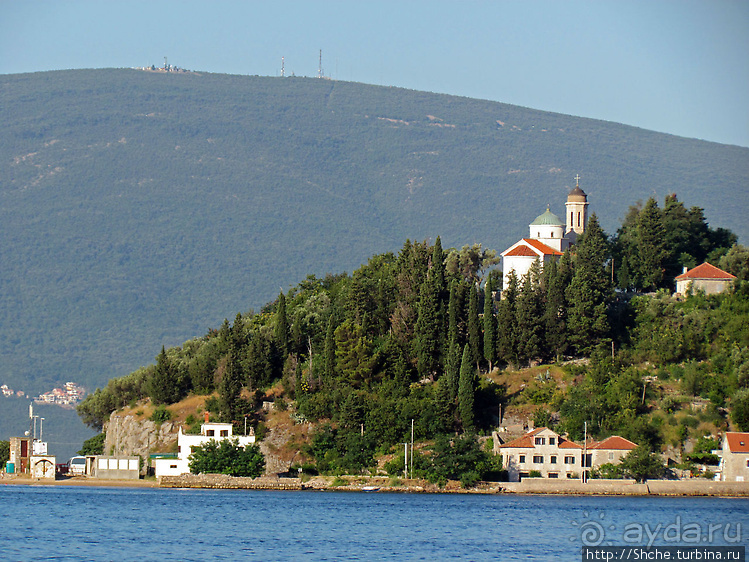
(548, 218)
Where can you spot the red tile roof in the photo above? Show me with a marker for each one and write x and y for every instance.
(524, 442)
(737, 442)
(614, 443)
(522, 251)
(706, 271)
(527, 441)
(540, 246)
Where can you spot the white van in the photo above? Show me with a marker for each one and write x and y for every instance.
(77, 466)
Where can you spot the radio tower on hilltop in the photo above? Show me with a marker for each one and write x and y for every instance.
(319, 66)
(282, 67)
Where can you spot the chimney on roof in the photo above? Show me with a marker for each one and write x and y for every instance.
(685, 269)
(205, 417)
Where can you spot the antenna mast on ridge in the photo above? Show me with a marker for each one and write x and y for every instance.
(282, 68)
(319, 66)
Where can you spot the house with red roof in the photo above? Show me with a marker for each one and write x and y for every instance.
(609, 451)
(548, 237)
(544, 451)
(734, 462)
(705, 277)
(554, 456)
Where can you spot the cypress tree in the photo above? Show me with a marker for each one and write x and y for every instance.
(426, 331)
(230, 389)
(588, 292)
(490, 326)
(466, 390)
(507, 349)
(452, 369)
(557, 276)
(282, 329)
(651, 249)
(474, 327)
(164, 385)
(329, 360)
(529, 316)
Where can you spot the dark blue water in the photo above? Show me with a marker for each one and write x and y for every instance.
(61, 523)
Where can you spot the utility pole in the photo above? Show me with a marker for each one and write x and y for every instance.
(412, 448)
(405, 460)
(585, 450)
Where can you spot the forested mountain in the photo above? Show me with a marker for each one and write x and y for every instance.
(139, 208)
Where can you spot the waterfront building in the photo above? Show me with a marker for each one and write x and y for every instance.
(186, 444)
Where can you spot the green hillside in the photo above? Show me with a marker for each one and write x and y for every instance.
(138, 208)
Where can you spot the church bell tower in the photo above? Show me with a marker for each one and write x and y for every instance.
(577, 209)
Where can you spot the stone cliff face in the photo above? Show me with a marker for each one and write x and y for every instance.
(128, 435)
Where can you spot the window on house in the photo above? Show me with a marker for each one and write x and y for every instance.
(172, 466)
(553, 475)
(224, 433)
(209, 432)
(552, 440)
(540, 441)
(578, 219)
(552, 235)
(538, 459)
(572, 216)
(522, 459)
(179, 448)
(553, 460)
(611, 456)
(569, 460)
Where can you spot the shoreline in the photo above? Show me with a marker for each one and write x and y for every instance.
(667, 488)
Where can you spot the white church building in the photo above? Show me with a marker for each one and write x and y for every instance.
(548, 237)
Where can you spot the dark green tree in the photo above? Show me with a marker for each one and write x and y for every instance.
(230, 389)
(642, 464)
(329, 353)
(529, 317)
(507, 343)
(467, 390)
(557, 275)
(589, 290)
(427, 340)
(4, 453)
(651, 246)
(282, 337)
(94, 445)
(227, 457)
(490, 326)
(165, 386)
(740, 409)
(474, 327)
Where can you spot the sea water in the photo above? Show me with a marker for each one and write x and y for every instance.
(93, 523)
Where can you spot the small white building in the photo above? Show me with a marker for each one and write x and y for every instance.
(186, 444)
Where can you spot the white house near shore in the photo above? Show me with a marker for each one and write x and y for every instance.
(186, 444)
(553, 456)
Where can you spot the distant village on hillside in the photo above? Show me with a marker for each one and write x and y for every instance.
(68, 396)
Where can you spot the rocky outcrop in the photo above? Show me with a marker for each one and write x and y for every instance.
(129, 435)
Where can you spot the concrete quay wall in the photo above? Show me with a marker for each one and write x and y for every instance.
(693, 487)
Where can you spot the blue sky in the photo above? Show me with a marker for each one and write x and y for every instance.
(675, 66)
